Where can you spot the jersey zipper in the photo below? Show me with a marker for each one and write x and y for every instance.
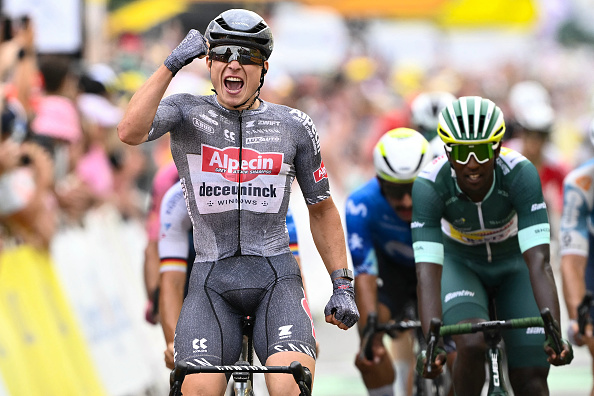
(482, 223)
(238, 251)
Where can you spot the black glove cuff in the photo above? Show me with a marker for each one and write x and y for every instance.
(342, 273)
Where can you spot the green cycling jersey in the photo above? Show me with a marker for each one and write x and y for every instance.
(512, 217)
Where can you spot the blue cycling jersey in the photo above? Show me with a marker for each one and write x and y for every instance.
(375, 232)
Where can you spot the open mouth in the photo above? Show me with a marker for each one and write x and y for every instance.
(233, 84)
(473, 178)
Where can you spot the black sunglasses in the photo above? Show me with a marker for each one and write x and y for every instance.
(395, 190)
(244, 55)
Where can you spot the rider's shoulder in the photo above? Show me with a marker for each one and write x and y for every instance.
(511, 158)
(582, 176)
(438, 168)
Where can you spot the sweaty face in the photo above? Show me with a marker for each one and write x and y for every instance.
(235, 82)
(473, 178)
(399, 196)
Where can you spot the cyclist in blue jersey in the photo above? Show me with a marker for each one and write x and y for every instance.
(176, 255)
(480, 228)
(237, 156)
(378, 216)
(576, 244)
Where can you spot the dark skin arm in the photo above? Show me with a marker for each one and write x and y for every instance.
(429, 297)
(545, 291)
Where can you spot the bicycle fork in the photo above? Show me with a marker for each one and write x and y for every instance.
(497, 384)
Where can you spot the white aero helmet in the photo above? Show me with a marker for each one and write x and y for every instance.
(539, 117)
(400, 155)
(526, 94)
(425, 109)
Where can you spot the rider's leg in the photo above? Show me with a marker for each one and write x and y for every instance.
(527, 362)
(529, 381)
(404, 362)
(204, 385)
(283, 384)
(379, 376)
(283, 326)
(469, 366)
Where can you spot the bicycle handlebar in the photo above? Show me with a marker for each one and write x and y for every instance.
(436, 330)
(467, 328)
(373, 327)
(301, 374)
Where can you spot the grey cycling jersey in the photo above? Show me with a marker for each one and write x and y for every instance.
(236, 169)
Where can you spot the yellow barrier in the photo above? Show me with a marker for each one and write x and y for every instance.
(42, 350)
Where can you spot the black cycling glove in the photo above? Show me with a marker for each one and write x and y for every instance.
(342, 302)
(191, 47)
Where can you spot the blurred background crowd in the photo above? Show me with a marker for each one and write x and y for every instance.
(355, 68)
(69, 67)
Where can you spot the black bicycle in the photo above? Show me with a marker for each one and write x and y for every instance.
(243, 370)
(422, 386)
(498, 378)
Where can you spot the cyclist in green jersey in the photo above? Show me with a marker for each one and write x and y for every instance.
(480, 229)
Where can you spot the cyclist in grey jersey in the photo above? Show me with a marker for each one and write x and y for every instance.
(176, 257)
(237, 157)
(480, 226)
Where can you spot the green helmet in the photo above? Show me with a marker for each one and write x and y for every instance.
(471, 120)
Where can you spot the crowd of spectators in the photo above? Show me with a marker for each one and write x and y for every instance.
(60, 156)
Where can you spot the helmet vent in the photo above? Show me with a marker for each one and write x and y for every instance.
(258, 28)
(461, 124)
(481, 125)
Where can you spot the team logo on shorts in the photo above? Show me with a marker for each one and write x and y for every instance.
(199, 345)
(285, 332)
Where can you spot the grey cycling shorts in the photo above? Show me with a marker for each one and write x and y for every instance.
(222, 293)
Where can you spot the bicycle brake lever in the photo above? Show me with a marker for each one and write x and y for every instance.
(176, 378)
(302, 376)
(551, 330)
(367, 338)
(432, 339)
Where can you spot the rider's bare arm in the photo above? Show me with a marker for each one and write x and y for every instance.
(324, 221)
(140, 112)
(573, 273)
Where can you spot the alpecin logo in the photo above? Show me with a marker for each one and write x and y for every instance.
(320, 173)
(253, 163)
